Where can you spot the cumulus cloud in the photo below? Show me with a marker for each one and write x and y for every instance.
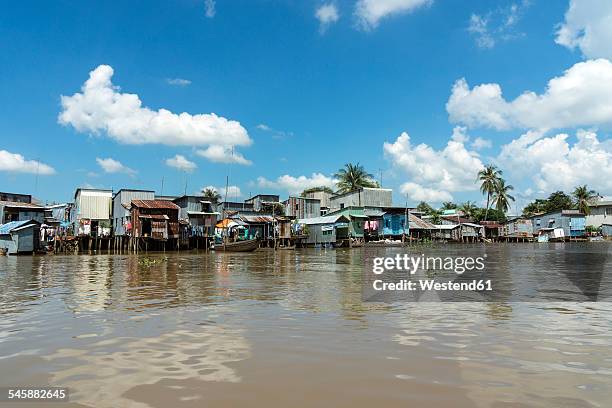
(295, 185)
(181, 163)
(110, 165)
(178, 81)
(369, 12)
(582, 96)
(435, 174)
(223, 154)
(479, 143)
(587, 26)
(327, 14)
(555, 163)
(100, 107)
(16, 163)
(209, 8)
(232, 191)
(418, 192)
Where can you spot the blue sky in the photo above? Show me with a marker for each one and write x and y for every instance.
(301, 97)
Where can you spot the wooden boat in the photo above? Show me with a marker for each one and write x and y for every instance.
(248, 245)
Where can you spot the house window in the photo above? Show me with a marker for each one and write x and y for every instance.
(341, 205)
(608, 212)
(537, 222)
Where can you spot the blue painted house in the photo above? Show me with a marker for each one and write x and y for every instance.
(18, 237)
(573, 222)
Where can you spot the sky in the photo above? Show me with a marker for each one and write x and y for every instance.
(276, 96)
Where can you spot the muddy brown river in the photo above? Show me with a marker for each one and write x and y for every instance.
(290, 329)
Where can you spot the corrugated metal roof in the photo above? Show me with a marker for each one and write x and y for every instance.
(162, 204)
(415, 222)
(370, 212)
(10, 226)
(256, 218)
(16, 204)
(327, 219)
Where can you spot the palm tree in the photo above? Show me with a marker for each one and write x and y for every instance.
(584, 197)
(448, 205)
(468, 208)
(501, 196)
(489, 177)
(352, 177)
(212, 195)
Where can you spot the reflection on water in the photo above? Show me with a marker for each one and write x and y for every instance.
(291, 328)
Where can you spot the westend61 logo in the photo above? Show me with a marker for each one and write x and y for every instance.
(420, 277)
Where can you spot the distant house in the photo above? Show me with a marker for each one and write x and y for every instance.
(260, 200)
(18, 237)
(92, 215)
(571, 221)
(601, 213)
(327, 229)
(226, 208)
(198, 214)
(465, 232)
(394, 223)
(324, 198)
(20, 198)
(122, 206)
(357, 220)
(492, 229)
(21, 211)
(606, 230)
(362, 197)
(156, 219)
(517, 228)
(302, 207)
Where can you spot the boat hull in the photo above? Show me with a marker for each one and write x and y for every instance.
(238, 246)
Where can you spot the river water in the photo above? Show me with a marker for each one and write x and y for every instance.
(290, 328)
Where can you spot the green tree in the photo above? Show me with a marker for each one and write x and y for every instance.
(501, 196)
(424, 207)
(584, 197)
(558, 201)
(449, 205)
(352, 177)
(536, 207)
(324, 189)
(488, 177)
(468, 208)
(211, 195)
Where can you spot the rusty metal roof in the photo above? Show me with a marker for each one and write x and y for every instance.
(159, 204)
(17, 204)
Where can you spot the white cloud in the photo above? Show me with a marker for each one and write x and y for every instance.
(223, 154)
(181, 163)
(178, 81)
(16, 163)
(101, 107)
(497, 25)
(233, 192)
(327, 14)
(370, 12)
(479, 28)
(110, 165)
(418, 192)
(588, 26)
(295, 185)
(435, 173)
(209, 7)
(553, 163)
(582, 96)
(479, 143)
